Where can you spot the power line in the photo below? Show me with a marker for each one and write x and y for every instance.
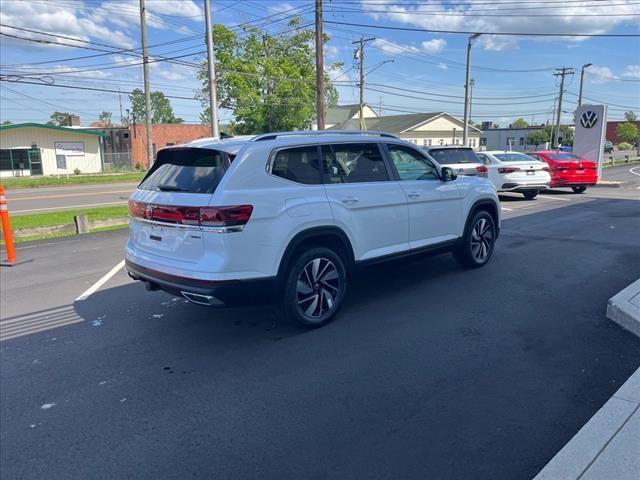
(469, 32)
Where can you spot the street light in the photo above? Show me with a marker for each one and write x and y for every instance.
(586, 65)
(467, 92)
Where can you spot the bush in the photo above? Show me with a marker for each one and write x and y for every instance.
(76, 171)
(138, 166)
(624, 146)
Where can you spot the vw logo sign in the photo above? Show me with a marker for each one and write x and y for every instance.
(588, 119)
(149, 212)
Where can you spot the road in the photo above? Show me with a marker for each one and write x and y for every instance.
(439, 373)
(46, 199)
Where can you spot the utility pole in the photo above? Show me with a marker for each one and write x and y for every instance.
(213, 101)
(147, 87)
(586, 65)
(319, 67)
(120, 101)
(467, 92)
(553, 127)
(561, 72)
(359, 55)
(471, 84)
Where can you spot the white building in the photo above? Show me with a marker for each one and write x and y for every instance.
(423, 129)
(514, 139)
(40, 149)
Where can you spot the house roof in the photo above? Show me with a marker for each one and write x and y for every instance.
(51, 127)
(394, 123)
(340, 113)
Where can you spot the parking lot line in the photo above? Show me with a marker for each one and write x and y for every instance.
(554, 198)
(506, 209)
(101, 282)
(631, 170)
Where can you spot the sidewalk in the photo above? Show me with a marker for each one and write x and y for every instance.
(608, 446)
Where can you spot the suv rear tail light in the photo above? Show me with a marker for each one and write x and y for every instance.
(508, 169)
(230, 216)
(482, 171)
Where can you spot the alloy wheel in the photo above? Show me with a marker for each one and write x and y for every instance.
(481, 240)
(317, 287)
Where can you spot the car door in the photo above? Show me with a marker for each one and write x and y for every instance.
(365, 201)
(435, 207)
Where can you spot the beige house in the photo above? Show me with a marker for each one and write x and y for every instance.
(341, 113)
(423, 129)
(40, 149)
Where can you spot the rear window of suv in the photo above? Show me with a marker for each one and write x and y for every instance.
(453, 155)
(190, 170)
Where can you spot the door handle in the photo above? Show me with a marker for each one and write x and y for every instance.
(413, 194)
(350, 200)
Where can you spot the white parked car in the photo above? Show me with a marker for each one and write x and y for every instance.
(462, 160)
(287, 217)
(516, 172)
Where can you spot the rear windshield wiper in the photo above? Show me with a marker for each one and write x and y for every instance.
(171, 188)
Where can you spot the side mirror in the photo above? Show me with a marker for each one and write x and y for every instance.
(447, 174)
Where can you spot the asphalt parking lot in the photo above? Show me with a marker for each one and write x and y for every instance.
(430, 371)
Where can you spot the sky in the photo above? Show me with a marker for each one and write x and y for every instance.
(407, 70)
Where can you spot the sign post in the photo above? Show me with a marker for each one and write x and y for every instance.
(589, 138)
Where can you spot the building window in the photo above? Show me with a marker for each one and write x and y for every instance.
(170, 144)
(441, 142)
(472, 142)
(511, 141)
(521, 141)
(125, 135)
(429, 142)
(424, 142)
(483, 141)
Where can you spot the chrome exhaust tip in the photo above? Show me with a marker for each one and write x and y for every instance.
(199, 299)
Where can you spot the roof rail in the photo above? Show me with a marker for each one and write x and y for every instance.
(318, 133)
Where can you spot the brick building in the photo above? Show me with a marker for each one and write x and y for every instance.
(611, 130)
(164, 135)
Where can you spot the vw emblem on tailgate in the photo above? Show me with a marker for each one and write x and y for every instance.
(149, 211)
(588, 119)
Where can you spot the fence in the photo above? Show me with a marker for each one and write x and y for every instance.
(117, 161)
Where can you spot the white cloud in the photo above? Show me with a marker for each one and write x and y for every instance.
(600, 74)
(433, 46)
(442, 66)
(438, 15)
(631, 71)
(394, 48)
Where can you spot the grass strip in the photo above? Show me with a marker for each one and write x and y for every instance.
(35, 182)
(63, 217)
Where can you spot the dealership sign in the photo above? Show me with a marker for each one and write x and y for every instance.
(589, 138)
(70, 148)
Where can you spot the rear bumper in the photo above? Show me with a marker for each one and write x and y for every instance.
(522, 187)
(215, 293)
(573, 180)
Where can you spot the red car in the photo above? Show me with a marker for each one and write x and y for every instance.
(569, 170)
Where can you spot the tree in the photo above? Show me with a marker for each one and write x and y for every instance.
(566, 134)
(539, 137)
(7, 122)
(105, 119)
(61, 119)
(520, 123)
(630, 116)
(268, 82)
(627, 132)
(161, 109)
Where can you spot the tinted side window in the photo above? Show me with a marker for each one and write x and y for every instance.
(410, 164)
(353, 163)
(299, 164)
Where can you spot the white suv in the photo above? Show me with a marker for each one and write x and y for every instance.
(289, 216)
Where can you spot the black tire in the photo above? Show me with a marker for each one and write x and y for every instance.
(474, 253)
(530, 194)
(580, 189)
(314, 302)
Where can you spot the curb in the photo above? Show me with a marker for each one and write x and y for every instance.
(608, 184)
(605, 447)
(624, 308)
